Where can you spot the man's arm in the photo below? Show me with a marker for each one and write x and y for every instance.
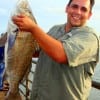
(49, 45)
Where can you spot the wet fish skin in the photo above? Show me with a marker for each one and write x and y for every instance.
(18, 58)
(18, 61)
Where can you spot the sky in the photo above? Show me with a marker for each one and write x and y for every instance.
(46, 12)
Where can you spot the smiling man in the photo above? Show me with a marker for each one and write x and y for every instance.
(78, 12)
(66, 59)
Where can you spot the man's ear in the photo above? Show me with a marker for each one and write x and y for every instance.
(66, 9)
(90, 14)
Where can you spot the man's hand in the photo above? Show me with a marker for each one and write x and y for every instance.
(24, 22)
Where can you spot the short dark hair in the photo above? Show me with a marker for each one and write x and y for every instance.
(92, 2)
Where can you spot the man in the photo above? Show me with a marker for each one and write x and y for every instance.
(68, 56)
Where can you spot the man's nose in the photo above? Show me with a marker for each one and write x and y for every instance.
(78, 11)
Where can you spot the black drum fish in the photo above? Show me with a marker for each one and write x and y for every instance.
(19, 48)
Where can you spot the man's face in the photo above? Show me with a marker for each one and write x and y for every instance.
(78, 12)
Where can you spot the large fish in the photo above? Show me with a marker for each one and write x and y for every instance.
(19, 49)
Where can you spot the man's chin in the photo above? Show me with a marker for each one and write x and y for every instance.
(76, 25)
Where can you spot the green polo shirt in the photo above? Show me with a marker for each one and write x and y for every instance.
(72, 80)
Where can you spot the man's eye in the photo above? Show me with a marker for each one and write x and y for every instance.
(84, 9)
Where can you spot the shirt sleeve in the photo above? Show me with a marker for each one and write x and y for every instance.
(80, 48)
